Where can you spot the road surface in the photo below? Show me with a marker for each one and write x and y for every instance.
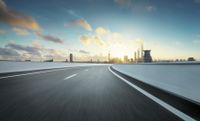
(75, 94)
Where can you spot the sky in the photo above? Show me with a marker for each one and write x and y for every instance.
(90, 29)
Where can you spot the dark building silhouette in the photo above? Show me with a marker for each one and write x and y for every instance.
(147, 56)
(108, 56)
(71, 57)
(50, 60)
(135, 56)
(191, 59)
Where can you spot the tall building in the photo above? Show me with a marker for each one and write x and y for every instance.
(147, 56)
(138, 55)
(142, 50)
(135, 56)
(125, 59)
(108, 56)
(71, 58)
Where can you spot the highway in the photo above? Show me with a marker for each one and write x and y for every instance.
(76, 94)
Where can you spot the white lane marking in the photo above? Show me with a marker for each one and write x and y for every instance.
(86, 69)
(157, 100)
(31, 73)
(73, 75)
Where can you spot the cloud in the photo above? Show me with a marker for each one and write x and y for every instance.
(105, 40)
(2, 31)
(14, 51)
(84, 52)
(28, 49)
(80, 22)
(8, 52)
(17, 19)
(98, 41)
(102, 38)
(101, 31)
(73, 13)
(21, 31)
(85, 39)
(50, 38)
(89, 39)
(196, 41)
(37, 44)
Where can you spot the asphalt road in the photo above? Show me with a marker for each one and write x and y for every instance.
(76, 94)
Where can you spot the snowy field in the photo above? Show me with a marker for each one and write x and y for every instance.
(8, 66)
(183, 80)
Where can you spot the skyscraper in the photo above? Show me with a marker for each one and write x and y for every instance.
(147, 56)
(138, 55)
(108, 56)
(135, 56)
(71, 58)
(142, 51)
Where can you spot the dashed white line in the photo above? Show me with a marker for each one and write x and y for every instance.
(73, 75)
(157, 100)
(31, 73)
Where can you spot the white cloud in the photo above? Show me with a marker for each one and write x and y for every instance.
(101, 31)
(92, 39)
(80, 22)
(73, 13)
(104, 40)
(21, 31)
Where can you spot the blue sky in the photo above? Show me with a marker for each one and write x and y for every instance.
(92, 28)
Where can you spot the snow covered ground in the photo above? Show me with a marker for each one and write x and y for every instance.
(183, 80)
(9, 66)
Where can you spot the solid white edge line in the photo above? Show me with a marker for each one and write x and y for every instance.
(73, 75)
(155, 99)
(38, 72)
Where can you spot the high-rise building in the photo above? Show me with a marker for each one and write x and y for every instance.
(125, 59)
(147, 56)
(135, 56)
(138, 55)
(108, 56)
(142, 50)
(71, 58)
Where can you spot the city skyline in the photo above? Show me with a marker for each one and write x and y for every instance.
(90, 29)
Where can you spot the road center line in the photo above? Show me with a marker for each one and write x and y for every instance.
(155, 99)
(73, 75)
